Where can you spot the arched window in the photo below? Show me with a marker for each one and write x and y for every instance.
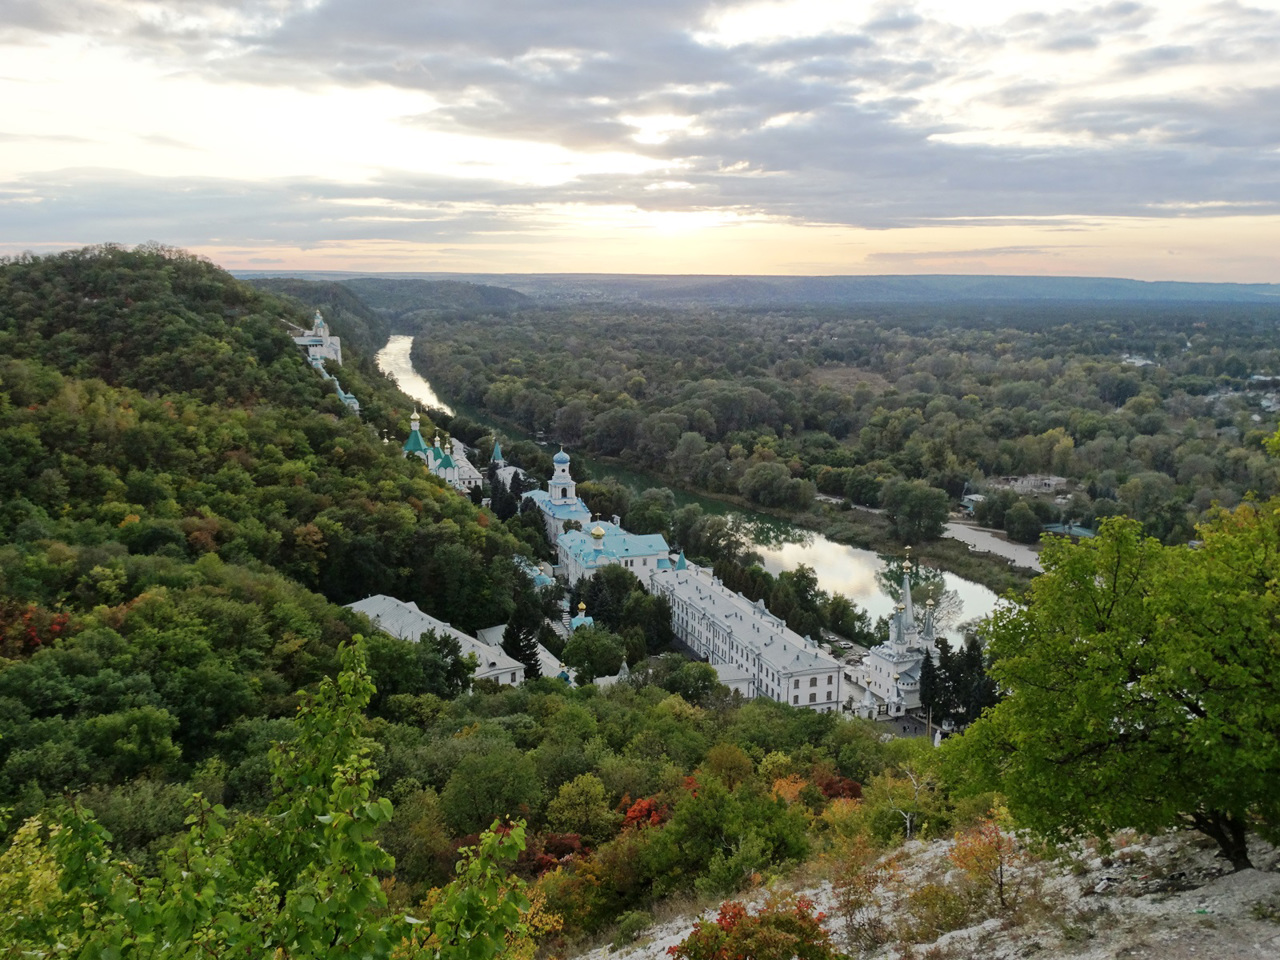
(564, 493)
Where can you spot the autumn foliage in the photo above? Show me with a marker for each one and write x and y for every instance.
(783, 929)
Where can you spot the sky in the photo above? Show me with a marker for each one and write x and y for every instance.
(664, 136)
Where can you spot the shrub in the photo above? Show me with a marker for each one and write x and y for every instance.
(630, 925)
(784, 929)
(859, 886)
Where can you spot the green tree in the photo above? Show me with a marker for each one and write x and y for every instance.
(1021, 524)
(916, 510)
(1139, 688)
(501, 782)
(593, 652)
(582, 807)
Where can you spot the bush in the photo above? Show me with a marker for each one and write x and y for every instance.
(784, 929)
(630, 925)
(935, 908)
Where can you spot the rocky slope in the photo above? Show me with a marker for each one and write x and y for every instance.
(1166, 897)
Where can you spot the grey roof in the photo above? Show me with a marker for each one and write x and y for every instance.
(750, 624)
(403, 619)
(729, 674)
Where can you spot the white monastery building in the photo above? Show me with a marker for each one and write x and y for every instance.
(888, 681)
(506, 472)
(753, 651)
(451, 466)
(559, 503)
(320, 346)
(406, 621)
(319, 343)
(582, 554)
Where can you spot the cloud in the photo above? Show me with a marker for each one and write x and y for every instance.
(907, 256)
(6, 137)
(903, 117)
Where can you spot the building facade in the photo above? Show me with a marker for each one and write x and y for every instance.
(755, 652)
(582, 553)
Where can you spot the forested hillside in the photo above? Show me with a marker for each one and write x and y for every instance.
(183, 504)
(406, 303)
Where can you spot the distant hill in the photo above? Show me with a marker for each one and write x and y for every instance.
(406, 302)
(388, 292)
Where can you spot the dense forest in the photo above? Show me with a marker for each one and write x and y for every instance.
(1155, 410)
(203, 753)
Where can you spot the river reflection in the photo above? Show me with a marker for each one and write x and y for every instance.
(393, 360)
(839, 567)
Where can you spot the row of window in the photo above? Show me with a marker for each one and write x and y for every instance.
(813, 698)
(813, 681)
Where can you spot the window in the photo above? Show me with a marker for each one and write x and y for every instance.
(828, 680)
(513, 676)
(828, 694)
(796, 684)
(795, 699)
(813, 681)
(813, 697)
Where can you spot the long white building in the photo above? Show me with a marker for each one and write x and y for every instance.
(404, 620)
(754, 652)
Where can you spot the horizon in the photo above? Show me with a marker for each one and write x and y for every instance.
(294, 272)
(795, 138)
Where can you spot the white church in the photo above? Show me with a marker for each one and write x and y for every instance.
(320, 345)
(559, 503)
(887, 683)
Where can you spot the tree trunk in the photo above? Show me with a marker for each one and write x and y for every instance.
(1229, 833)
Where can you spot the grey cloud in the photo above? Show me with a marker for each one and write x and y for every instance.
(6, 137)
(1070, 43)
(897, 21)
(894, 256)
(1238, 119)
(566, 73)
(160, 140)
(1156, 58)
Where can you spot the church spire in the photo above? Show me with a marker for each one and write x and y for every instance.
(908, 613)
(415, 443)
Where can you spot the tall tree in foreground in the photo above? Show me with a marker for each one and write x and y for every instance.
(1140, 689)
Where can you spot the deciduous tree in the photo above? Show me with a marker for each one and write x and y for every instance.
(1140, 686)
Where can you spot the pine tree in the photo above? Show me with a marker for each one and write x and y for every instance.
(520, 643)
(929, 687)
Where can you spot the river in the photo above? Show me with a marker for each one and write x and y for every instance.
(782, 545)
